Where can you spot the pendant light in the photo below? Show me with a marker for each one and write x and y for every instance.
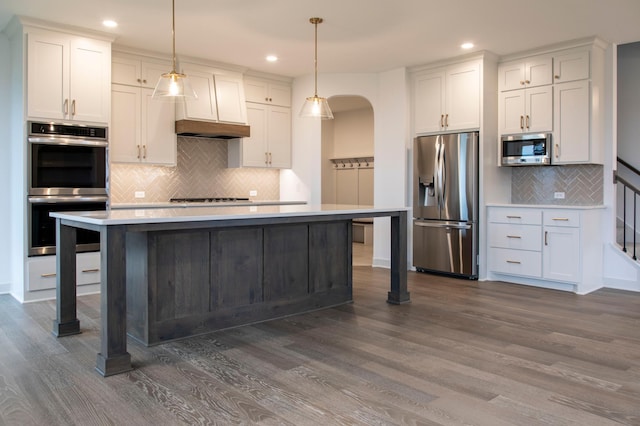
(173, 85)
(315, 106)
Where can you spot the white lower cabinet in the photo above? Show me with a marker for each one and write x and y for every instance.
(545, 247)
(41, 271)
(561, 254)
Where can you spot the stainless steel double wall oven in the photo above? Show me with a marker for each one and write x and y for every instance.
(67, 171)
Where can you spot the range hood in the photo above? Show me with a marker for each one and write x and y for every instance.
(209, 129)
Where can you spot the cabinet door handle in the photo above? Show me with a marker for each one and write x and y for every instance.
(557, 77)
(266, 158)
(66, 106)
(521, 82)
(522, 122)
(562, 219)
(514, 236)
(73, 107)
(139, 81)
(144, 81)
(441, 120)
(546, 239)
(138, 146)
(446, 120)
(144, 151)
(49, 275)
(557, 150)
(90, 271)
(269, 158)
(527, 82)
(514, 262)
(514, 217)
(528, 121)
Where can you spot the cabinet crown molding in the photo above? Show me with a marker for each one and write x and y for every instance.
(586, 42)
(19, 22)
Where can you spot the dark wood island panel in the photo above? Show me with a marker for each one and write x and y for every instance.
(173, 273)
(209, 279)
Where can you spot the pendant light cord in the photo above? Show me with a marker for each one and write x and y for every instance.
(315, 22)
(173, 33)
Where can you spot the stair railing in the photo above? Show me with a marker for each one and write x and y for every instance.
(626, 185)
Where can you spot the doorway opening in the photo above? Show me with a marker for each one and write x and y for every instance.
(348, 165)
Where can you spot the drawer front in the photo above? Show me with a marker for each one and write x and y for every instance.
(562, 218)
(515, 215)
(516, 262)
(88, 268)
(41, 273)
(513, 236)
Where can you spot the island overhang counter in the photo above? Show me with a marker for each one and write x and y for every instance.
(174, 273)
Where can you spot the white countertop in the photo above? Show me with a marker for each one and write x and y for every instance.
(169, 205)
(165, 215)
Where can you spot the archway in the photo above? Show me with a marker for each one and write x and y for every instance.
(348, 165)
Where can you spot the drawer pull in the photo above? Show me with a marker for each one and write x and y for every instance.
(514, 236)
(514, 262)
(49, 275)
(90, 271)
(514, 217)
(562, 219)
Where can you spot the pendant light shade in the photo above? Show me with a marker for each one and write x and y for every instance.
(316, 106)
(173, 85)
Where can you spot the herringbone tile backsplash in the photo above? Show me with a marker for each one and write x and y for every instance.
(582, 185)
(201, 172)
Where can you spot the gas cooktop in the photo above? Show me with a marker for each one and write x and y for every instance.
(208, 200)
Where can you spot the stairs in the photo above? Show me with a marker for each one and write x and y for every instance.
(629, 241)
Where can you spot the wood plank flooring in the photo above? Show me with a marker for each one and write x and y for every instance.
(462, 352)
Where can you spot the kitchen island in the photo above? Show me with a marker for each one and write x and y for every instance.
(173, 273)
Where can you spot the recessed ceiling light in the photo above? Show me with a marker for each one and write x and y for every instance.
(466, 45)
(109, 23)
(272, 58)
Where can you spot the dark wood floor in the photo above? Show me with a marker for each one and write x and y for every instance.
(463, 352)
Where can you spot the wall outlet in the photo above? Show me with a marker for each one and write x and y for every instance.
(139, 194)
(558, 195)
(253, 193)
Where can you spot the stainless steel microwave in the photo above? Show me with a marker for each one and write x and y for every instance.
(531, 149)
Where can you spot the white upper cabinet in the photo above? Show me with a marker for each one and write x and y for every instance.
(267, 92)
(220, 96)
(571, 66)
(559, 92)
(524, 111)
(530, 72)
(447, 98)
(68, 77)
(571, 133)
(134, 71)
(269, 145)
(142, 128)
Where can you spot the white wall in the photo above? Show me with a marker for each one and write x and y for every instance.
(353, 133)
(5, 164)
(387, 92)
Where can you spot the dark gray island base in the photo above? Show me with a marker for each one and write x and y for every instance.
(166, 275)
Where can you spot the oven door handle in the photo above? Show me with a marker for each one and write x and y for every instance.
(67, 141)
(68, 199)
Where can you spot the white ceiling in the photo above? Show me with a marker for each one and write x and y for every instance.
(356, 36)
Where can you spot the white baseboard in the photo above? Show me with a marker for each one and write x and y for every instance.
(5, 288)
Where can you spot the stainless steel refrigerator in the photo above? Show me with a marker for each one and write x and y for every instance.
(445, 204)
